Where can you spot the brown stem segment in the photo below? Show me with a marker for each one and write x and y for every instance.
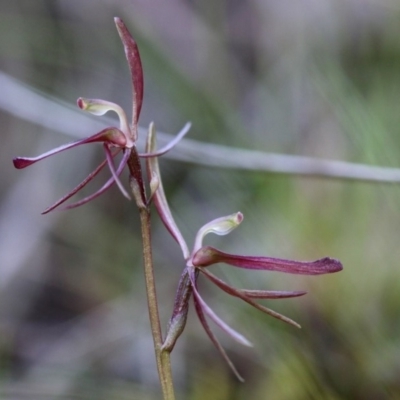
(162, 357)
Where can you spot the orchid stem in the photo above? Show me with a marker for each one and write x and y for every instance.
(162, 356)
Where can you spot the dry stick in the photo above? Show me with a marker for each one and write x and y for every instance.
(162, 357)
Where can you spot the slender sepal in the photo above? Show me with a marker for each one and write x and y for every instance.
(237, 293)
(159, 197)
(111, 166)
(271, 294)
(214, 317)
(104, 187)
(170, 145)
(213, 338)
(76, 189)
(135, 67)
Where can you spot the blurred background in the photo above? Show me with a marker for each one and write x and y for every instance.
(312, 78)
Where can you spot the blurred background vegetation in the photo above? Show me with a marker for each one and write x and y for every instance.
(317, 78)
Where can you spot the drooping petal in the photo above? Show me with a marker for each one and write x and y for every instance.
(105, 186)
(214, 317)
(110, 161)
(220, 226)
(170, 145)
(135, 66)
(76, 189)
(209, 255)
(215, 341)
(109, 135)
(238, 293)
(160, 200)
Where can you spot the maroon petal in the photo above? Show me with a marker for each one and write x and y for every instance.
(209, 255)
(253, 294)
(135, 66)
(104, 187)
(108, 135)
(238, 293)
(76, 189)
(203, 321)
(215, 341)
(110, 161)
(214, 317)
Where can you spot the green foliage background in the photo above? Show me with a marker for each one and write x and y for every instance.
(315, 78)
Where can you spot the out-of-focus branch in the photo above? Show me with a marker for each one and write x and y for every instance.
(229, 157)
(63, 118)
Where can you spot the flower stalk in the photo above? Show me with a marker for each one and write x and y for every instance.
(162, 357)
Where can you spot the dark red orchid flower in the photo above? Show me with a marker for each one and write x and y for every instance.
(202, 257)
(115, 140)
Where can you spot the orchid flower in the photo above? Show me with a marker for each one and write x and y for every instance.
(201, 257)
(204, 256)
(115, 139)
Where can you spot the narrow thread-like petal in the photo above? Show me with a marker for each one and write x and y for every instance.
(213, 338)
(76, 189)
(254, 294)
(271, 294)
(105, 186)
(209, 255)
(110, 161)
(214, 317)
(237, 293)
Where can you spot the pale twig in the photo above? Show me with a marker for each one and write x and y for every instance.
(60, 117)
